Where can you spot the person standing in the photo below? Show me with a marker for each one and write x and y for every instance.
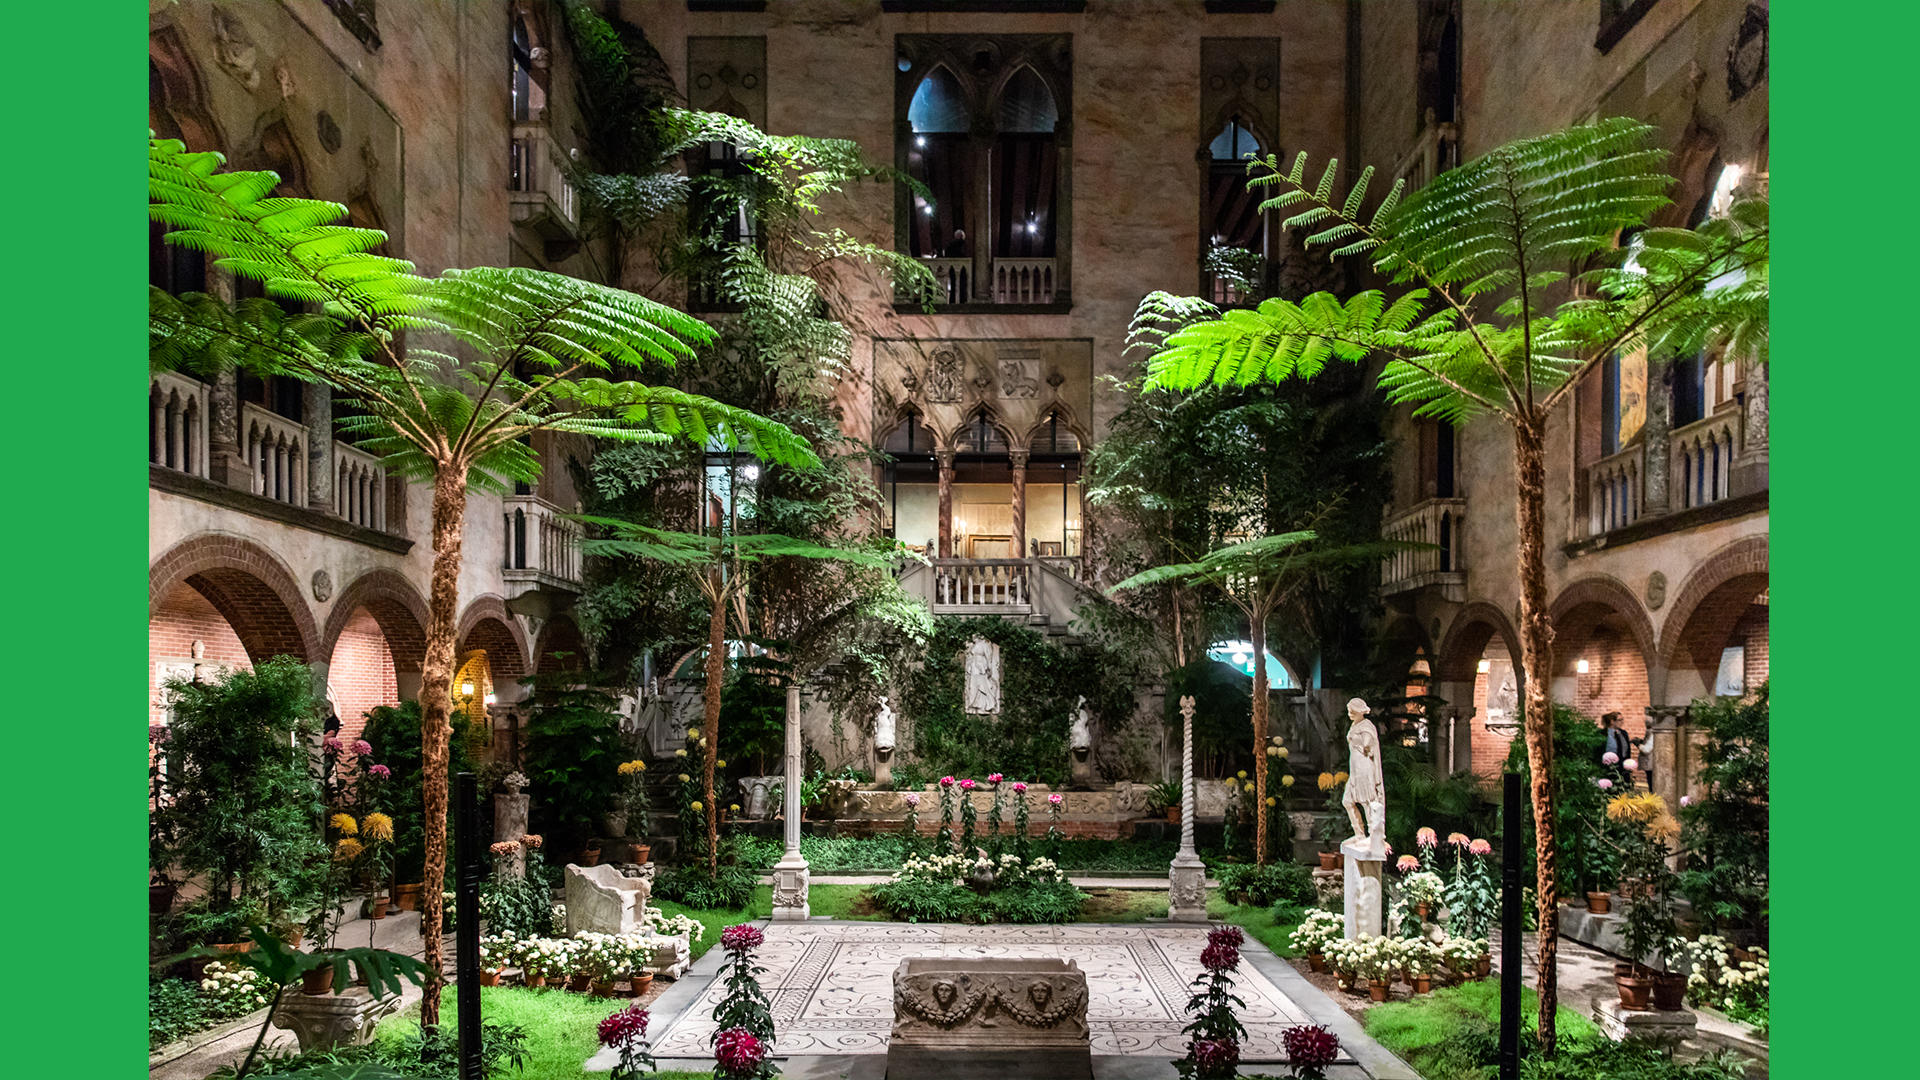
(1617, 744)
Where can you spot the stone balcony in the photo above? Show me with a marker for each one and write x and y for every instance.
(542, 198)
(1439, 524)
(543, 547)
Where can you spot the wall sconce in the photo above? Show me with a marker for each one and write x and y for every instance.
(1483, 666)
(1581, 666)
(466, 688)
(490, 699)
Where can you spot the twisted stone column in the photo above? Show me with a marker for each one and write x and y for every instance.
(1187, 877)
(1019, 503)
(944, 458)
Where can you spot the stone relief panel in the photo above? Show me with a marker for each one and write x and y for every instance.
(1018, 381)
(728, 75)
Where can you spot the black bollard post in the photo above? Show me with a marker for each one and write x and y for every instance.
(1512, 836)
(469, 864)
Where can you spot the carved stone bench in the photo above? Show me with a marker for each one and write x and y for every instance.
(993, 1017)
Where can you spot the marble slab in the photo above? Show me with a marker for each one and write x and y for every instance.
(832, 986)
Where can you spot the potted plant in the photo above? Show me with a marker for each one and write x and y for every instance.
(1315, 933)
(1343, 960)
(634, 806)
(1378, 960)
(1332, 819)
(537, 960)
(1166, 796)
(1422, 961)
(1650, 922)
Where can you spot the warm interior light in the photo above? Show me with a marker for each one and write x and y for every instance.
(490, 700)
(1580, 666)
(466, 688)
(1483, 666)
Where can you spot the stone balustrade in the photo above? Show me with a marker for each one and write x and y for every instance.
(541, 544)
(1615, 497)
(1437, 523)
(275, 449)
(1703, 454)
(1023, 281)
(984, 586)
(177, 425)
(953, 278)
(537, 177)
(360, 487)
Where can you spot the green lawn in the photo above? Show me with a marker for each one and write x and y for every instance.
(1258, 922)
(715, 920)
(1453, 1033)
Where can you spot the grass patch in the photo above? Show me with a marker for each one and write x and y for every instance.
(1258, 922)
(716, 920)
(844, 902)
(1454, 1033)
(1123, 905)
(562, 1028)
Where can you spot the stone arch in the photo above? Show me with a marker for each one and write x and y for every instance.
(1599, 620)
(560, 635)
(249, 586)
(488, 625)
(1467, 637)
(991, 415)
(1068, 421)
(395, 604)
(1714, 599)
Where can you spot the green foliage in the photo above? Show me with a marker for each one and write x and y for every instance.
(408, 1054)
(1453, 1033)
(921, 900)
(1419, 795)
(730, 888)
(1725, 829)
(244, 801)
(573, 754)
(753, 711)
(394, 731)
(1267, 885)
(176, 1009)
(1040, 683)
(521, 907)
(1222, 712)
(1588, 842)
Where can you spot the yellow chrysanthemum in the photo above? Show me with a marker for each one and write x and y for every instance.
(1284, 753)
(734, 808)
(628, 768)
(719, 764)
(682, 752)
(344, 824)
(696, 807)
(347, 849)
(684, 778)
(1340, 777)
(1286, 780)
(1242, 774)
(1326, 781)
(1250, 784)
(1271, 801)
(1647, 811)
(377, 827)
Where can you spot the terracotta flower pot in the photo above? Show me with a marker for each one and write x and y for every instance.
(1377, 989)
(1422, 983)
(1633, 991)
(1669, 991)
(317, 981)
(1483, 967)
(1421, 909)
(1173, 814)
(535, 980)
(642, 982)
(407, 897)
(579, 982)
(1317, 961)
(1599, 903)
(1329, 860)
(640, 853)
(603, 989)
(490, 978)
(590, 857)
(377, 908)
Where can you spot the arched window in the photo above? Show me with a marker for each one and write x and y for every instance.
(1024, 166)
(941, 157)
(529, 97)
(1235, 268)
(982, 437)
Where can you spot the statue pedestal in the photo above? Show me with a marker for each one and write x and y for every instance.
(790, 889)
(1650, 1025)
(1363, 887)
(883, 770)
(1082, 769)
(510, 823)
(320, 1021)
(1187, 889)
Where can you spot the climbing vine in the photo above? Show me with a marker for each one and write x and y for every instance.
(1040, 684)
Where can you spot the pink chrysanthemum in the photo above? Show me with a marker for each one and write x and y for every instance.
(946, 781)
(1220, 956)
(1407, 864)
(1605, 784)
(362, 747)
(1686, 800)
(743, 936)
(1427, 838)
(624, 1026)
(332, 743)
(1019, 785)
(913, 798)
(1609, 758)
(1631, 764)
(1056, 798)
(993, 778)
(1310, 1045)
(738, 1050)
(379, 772)
(1481, 847)
(1457, 839)
(1215, 1055)
(966, 785)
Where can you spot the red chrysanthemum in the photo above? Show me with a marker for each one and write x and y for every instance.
(624, 1026)
(743, 936)
(1215, 1055)
(1220, 956)
(738, 1051)
(1310, 1045)
(1227, 935)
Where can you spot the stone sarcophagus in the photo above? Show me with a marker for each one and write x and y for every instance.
(603, 900)
(989, 1017)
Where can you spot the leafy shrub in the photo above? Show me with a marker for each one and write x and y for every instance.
(1587, 861)
(573, 757)
(175, 1010)
(1035, 902)
(1264, 886)
(731, 889)
(394, 731)
(919, 900)
(412, 1056)
(1604, 1059)
(1418, 794)
(1726, 828)
(521, 907)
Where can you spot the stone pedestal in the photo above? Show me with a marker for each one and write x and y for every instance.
(1187, 889)
(1082, 768)
(790, 883)
(1329, 885)
(1363, 887)
(510, 823)
(672, 956)
(995, 1017)
(1655, 1025)
(883, 769)
(323, 1020)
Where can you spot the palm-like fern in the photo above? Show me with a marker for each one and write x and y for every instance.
(1495, 318)
(492, 356)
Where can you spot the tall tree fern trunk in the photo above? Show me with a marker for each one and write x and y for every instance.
(1536, 661)
(716, 661)
(1259, 624)
(436, 719)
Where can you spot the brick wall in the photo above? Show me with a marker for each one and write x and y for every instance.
(1751, 631)
(1616, 681)
(360, 674)
(184, 617)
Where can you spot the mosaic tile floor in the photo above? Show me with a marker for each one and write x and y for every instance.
(832, 985)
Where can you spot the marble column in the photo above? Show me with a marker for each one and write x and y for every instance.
(1749, 472)
(945, 460)
(316, 401)
(226, 459)
(510, 823)
(979, 242)
(1657, 465)
(1018, 545)
(790, 873)
(1666, 735)
(1187, 877)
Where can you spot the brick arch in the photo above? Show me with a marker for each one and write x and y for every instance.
(488, 625)
(1466, 639)
(560, 634)
(395, 604)
(1742, 559)
(250, 587)
(1611, 593)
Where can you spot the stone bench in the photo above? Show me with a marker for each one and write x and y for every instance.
(997, 1017)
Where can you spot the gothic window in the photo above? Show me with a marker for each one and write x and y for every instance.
(1235, 269)
(529, 97)
(941, 158)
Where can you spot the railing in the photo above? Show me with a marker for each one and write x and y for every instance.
(1023, 281)
(1614, 491)
(1435, 522)
(360, 487)
(178, 423)
(541, 544)
(953, 280)
(1435, 150)
(275, 449)
(1703, 454)
(537, 174)
(981, 584)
